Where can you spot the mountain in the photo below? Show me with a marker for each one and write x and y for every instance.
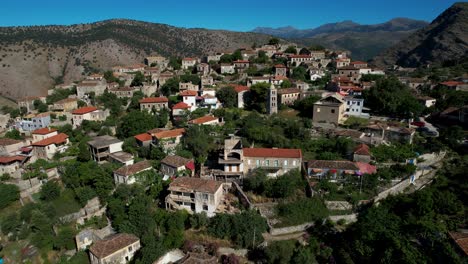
(396, 24)
(363, 41)
(33, 59)
(445, 39)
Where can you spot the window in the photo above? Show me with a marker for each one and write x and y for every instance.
(267, 163)
(205, 207)
(318, 109)
(294, 163)
(248, 162)
(333, 111)
(257, 163)
(205, 196)
(358, 103)
(286, 163)
(276, 163)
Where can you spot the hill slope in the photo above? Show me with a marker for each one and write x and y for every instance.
(445, 39)
(32, 59)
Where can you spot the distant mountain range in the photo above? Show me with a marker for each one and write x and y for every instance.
(444, 40)
(363, 41)
(397, 24)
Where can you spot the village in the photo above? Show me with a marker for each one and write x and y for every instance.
(275, 135)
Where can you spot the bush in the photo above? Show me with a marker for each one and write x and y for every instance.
(10, 193)
(302, 211)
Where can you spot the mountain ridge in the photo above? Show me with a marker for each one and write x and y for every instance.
(444, 39)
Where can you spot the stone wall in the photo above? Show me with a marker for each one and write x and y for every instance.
(242, 196)
(351, 218)
(290, 229)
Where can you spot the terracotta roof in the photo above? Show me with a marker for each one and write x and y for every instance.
(44, 131)
(280, 66)
(189, 184)
(189, 93)
(189, 59)
(8, 141)
(198, 258)
(169, 133)
(240, 88)
(175, 161)
(108, 246)
(57, 139)
(122, 89)
(446, 111)
(9, 159)
(143, 137)
(288, 91)
(461, 239)
(202, 120)
(451, 83)
(366, 168)
(134, 168)
(181, 105)
(362, 149)
(332, 164)
(272, 152)
(160, 99)
(84, 110)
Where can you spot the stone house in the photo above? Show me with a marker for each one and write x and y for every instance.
(89, 113)
(163, 77)
(298, 59)
(43, 133)
(350, 72)
(126, 174)
(11, 164)
(242, 92)
(227, 68)
(100, 147)
(46, 148)
(168, 139)
(188, 86)
(334, 169)
(118, 249)
(86, 87)
(28, 102)
(172, 165)
(10, 146)
(189, 62)
(207, 81)
(281, 70)
(180, 109)
(195, 195)
(123, 92)
(275, 161)
(156, 103)
(203, 69)
(66, 105)
(205, 120)
(288, 96)
(362, 153)
(240, 65)
(330, 109)
(157, 61)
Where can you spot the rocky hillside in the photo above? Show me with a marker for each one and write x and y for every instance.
(444, 40)
(33, 59)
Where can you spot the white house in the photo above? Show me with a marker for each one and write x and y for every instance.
(354, 106)
(118, 249)
(46, 148)
(89, 113)
(190, 98)
(189, 62)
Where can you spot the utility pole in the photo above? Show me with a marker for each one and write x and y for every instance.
(253, 241)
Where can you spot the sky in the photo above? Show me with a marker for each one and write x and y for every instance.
(239, 15)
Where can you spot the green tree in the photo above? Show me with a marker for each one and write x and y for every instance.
(273, 41)
(286, 84)
(170, 87)
(291, 49)
(228, 96)
(299, 73)
(306, 106)
(138, 79)
(40, 106)
(65, 239)
(280, 252)
(175, 63)
(134, 123)
(10, 193)
(304, 51)
(198, 141)
(50, 191)
(13, 134)
(258, 97)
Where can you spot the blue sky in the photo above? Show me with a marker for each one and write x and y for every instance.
(240, 15)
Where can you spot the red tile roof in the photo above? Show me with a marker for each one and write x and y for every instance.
(143, 137)
(44, 131)
(189, 93)
(84, 110)
(134, 168)
(362, 149)
(202, 120)
(181, 105)
(57, 139)
(461, 239)
(189, 184)
(240, 88)
(366, 168)
(108, 246)
(288, 91)
(161, 99)
(189, 59)
(451, 83)
(10, 159)
(272, 152)
(358, 62)
(280, 66)
(169, 133)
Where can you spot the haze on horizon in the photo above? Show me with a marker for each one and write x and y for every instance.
(242, 16)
